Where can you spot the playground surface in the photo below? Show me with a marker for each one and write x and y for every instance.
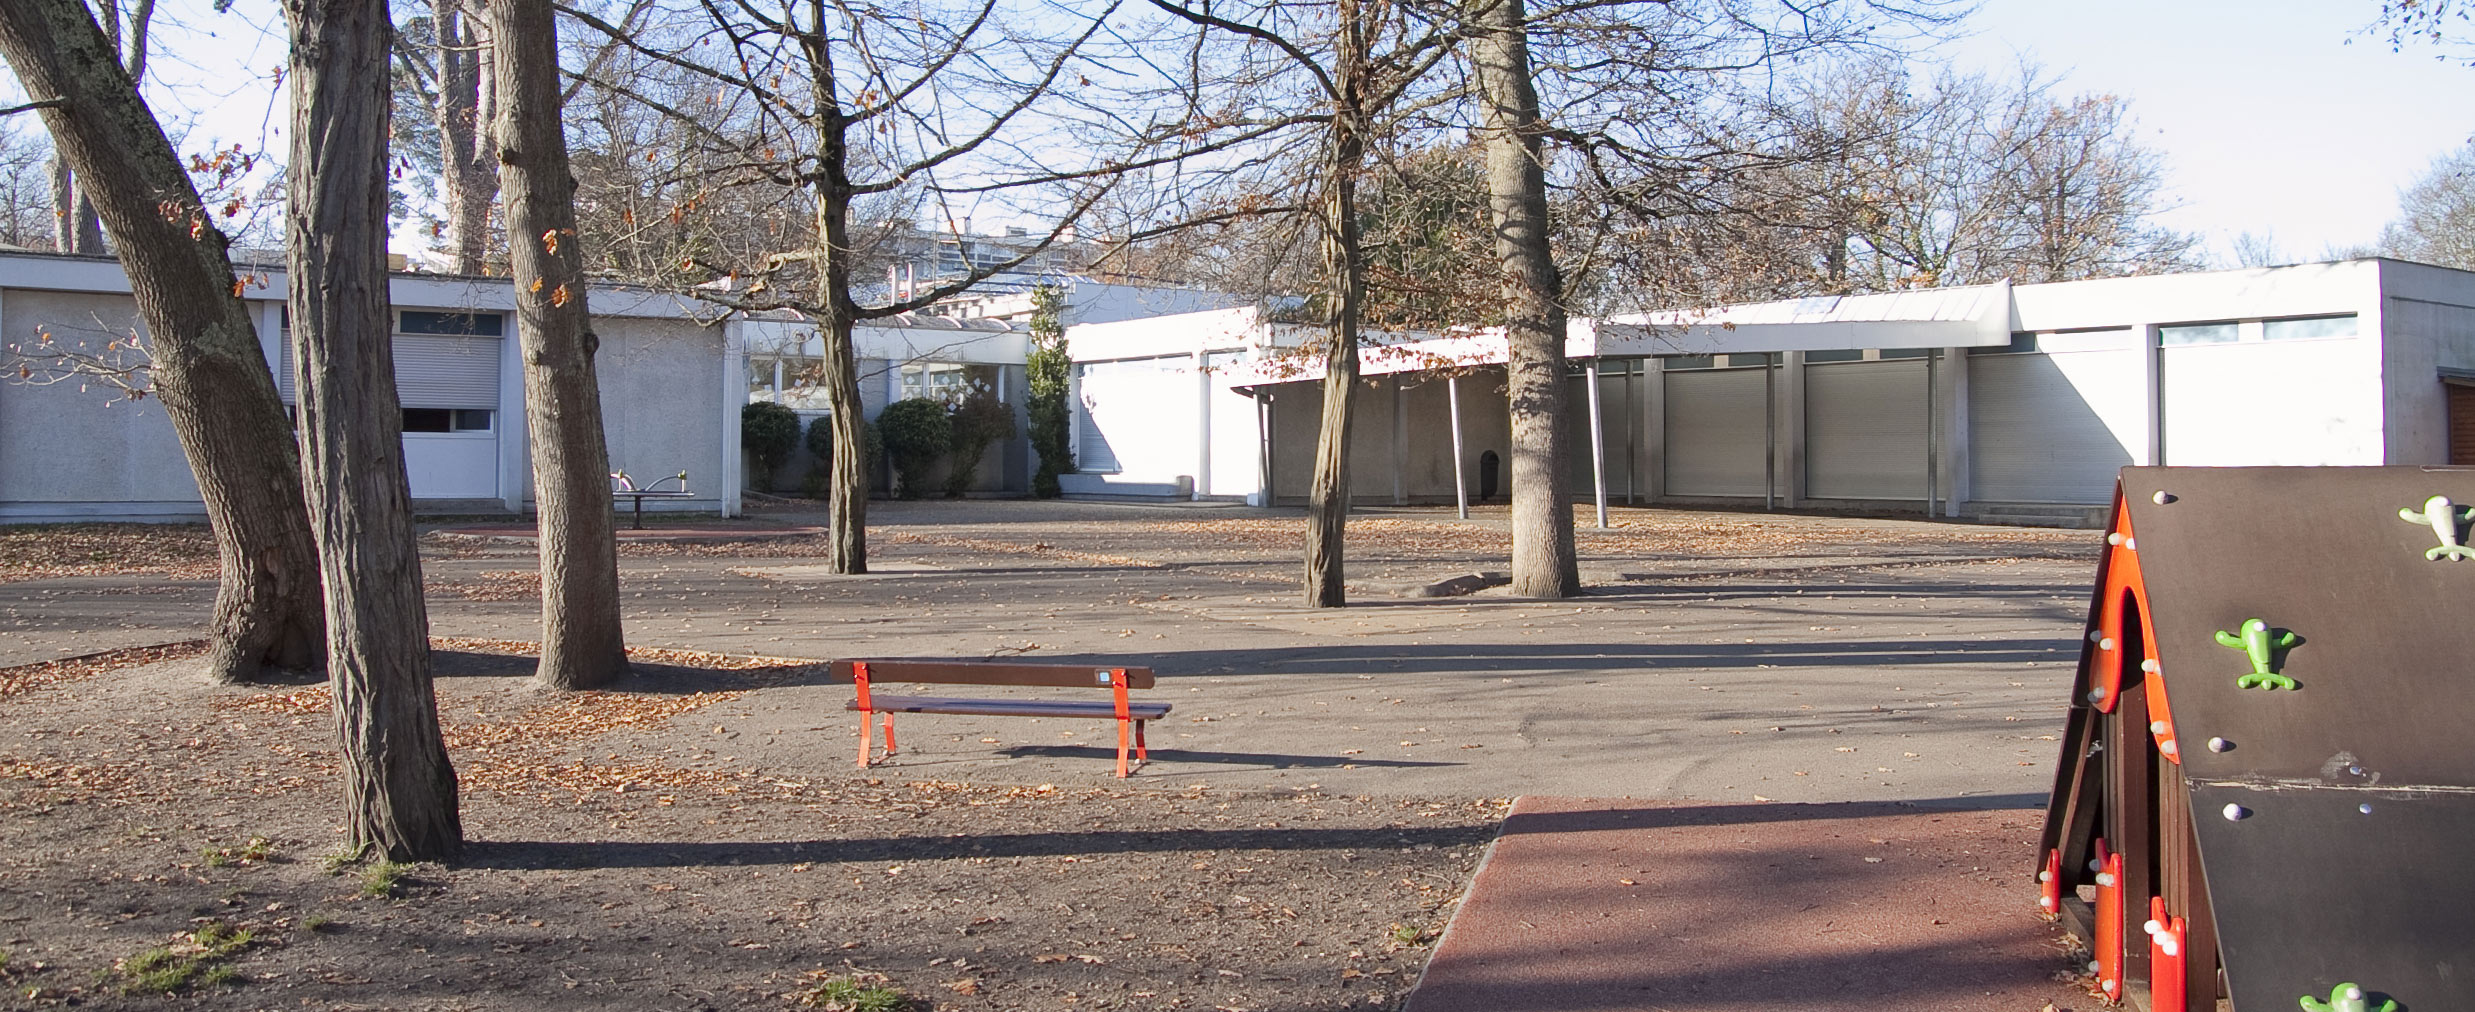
(1769, 661)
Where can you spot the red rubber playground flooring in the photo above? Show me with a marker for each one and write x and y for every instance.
(1599, 905)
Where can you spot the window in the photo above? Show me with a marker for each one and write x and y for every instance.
(422, 321)
(447, 419)
(1741, 360)
(2198, 333)
(796, 382)
(1833, 355)
(1891, 353)
(944, 381)
(1675, 362)
(2308, 328)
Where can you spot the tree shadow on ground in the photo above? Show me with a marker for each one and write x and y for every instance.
(561, 854)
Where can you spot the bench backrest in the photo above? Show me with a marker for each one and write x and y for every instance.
(989, 673)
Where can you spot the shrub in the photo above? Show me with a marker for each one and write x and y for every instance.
(980, 419)
(1050, 372)
(917, 433)
(767, 432)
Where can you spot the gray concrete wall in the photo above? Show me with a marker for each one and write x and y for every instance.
(66, 452)
(662, 401)
(2426, 323)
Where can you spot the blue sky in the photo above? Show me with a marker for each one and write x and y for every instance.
(2276, 116)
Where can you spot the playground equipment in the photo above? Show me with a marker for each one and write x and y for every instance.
(2311, 849)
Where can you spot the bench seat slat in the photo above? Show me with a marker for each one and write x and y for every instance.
(1097, 709)
(895, 669)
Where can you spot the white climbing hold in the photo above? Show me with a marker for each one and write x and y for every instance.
(2045, 876)
(2365, 808)
(2156, 727)
(2096, 695)
(2105, 879)
(2092, 966)
(2161, 498)
(2131, 544)
(2045, 902)
(2096, 865)
(2149, 665)
(2115, 538)
(2220, 745)
(2151, 927)
(2095, 636)
(2235, 813)
(2105, 644)
(2168, 748)
(2169, 946)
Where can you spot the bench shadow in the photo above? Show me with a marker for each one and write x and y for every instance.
(1268, 760)
(562, 854)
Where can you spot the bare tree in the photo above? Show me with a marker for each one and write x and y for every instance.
(581, 642)
(443, 66)
(2436, 215)
(1544, 561)
(1352, 67)
(204, 361)
(76, 227)
(25, 188)
(836, 108)
(400, 788)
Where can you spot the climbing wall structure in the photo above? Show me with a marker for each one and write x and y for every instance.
(2269, 763)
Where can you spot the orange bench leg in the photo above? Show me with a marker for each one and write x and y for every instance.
(889, 731)
(1142, 753)
(1122, 743)
(867, 737)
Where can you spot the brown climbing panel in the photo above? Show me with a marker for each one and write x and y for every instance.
(2352, 793)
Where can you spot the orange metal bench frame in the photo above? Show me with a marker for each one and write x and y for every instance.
(863, 674)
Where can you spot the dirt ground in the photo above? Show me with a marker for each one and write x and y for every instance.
(620, 856)
(700, 839)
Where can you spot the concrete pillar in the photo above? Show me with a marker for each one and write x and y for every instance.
(1400, 443)
(515, 430)
(1790, 420)
(1203, 425)
(1654, 427)
(2153, 401)
(734, 397)
(1951, 404)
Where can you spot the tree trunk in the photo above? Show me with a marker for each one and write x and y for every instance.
(1327, 498)
(469, 81)
(581, 643)
(847, 499)
(77, 226)
(208, 368)
(400, 789)
(1543, 562)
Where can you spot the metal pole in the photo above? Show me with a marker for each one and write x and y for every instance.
(1460, 487)
(1400, 443)
(1598, 446)
(1770, 435)
(1632, 451)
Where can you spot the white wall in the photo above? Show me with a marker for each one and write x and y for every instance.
(67, 451)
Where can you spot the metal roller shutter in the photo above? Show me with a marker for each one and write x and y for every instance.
(1714, 432)
(2037, 425)
(1865, 428)
(2461, 424)
(431, 371)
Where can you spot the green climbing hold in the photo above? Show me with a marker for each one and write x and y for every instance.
(2348, 997)
(2445, 517)
(2255, 641)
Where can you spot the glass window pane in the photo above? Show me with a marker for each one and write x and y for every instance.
(1673, 362)
(1834, 355)
(2308, 328)
(1902, 353)
(429, 420)
(2198, 333)
(472, 420)
(423, 321)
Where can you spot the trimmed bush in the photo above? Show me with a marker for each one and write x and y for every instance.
(767, 433)
(917, 434)
(980, 419)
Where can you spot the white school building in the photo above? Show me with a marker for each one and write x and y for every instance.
(1996, 401)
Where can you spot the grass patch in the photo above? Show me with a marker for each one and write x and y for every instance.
(199, 957)
(335, 863)
(317, 924)
(856, 993)
(258, 850)
(383, 879)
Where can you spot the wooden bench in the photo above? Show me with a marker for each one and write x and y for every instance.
(1130, 715)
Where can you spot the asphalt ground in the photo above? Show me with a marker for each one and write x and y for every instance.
(1715, 657)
